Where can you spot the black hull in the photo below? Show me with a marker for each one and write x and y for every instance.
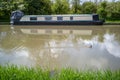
(58, 23)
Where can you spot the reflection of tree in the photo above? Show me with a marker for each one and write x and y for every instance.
(44, 59)
(47, 56)
(116, 32)
(52, 57)
(100, 32)
(11, 40)
(41, 55)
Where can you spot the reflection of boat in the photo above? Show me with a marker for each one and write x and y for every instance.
(39, 30)
(56, 31)
(18, 18)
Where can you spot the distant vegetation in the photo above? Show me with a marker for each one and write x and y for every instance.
(24, 73)
(107, 10)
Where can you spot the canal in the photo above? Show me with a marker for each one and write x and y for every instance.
(79, 47)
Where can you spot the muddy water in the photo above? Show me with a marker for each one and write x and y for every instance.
(81, 47)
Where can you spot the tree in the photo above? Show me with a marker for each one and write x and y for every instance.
(76, 7)
(113, 11)
(37, 7)
(89, 8)
(7, 6)
(102, 10)
(61, 7)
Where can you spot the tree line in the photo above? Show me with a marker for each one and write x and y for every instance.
(106, 10)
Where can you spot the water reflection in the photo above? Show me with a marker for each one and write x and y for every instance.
(112, 46)
(83, 48)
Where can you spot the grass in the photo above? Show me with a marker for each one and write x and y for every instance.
(114, 21)
(24, 73)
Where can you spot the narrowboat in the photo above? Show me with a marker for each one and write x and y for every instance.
(18, 18)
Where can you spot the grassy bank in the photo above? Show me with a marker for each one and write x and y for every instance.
(115, 21)
(112, 22)
(23, 73)
(5, 23)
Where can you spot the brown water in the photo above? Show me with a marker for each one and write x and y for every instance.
(81, 47)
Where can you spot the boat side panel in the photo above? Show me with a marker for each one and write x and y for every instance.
(59, 23)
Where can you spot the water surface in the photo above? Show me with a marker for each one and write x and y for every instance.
(81, 47)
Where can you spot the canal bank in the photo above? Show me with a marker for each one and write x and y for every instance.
(107, 22)
(4, 23)
(23, 73)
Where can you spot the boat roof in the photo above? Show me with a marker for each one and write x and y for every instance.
(66, 15)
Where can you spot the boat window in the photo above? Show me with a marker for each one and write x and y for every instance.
(48, 18)
(59, 18)
(33, 18)
(71, 17)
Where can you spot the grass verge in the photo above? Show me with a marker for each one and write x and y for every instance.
(115, 21)
(24, 73)
(4, 23)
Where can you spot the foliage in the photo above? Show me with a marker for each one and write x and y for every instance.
(113, 10)
(7, 6)
(24, 73)
(76, 7)
(38, 7)
(89, 8)
(60, 7)
(106, 10)
(102, 9)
